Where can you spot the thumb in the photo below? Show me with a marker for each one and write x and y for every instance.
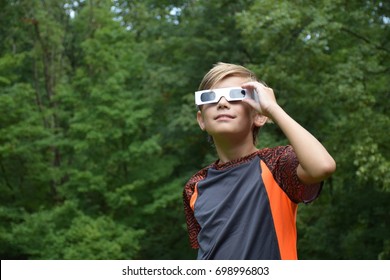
(255, 105)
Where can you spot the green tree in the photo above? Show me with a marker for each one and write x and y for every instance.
(84, 149)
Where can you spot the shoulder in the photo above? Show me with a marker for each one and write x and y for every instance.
(281, 161)
(276, 156)
(198, 176)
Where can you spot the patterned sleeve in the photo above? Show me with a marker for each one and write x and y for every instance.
(192, 224)
(283, 163)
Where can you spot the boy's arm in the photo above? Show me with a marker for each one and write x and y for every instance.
(315, 163)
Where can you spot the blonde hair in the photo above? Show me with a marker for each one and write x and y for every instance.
(221, 71)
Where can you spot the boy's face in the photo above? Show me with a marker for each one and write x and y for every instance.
(234, 120)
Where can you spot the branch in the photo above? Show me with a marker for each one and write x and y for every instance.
(361, 37)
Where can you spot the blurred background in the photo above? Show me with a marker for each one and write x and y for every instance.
(98, 131)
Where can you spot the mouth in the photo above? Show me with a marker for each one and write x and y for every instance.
(224, 117)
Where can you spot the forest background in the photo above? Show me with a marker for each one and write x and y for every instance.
(98, 131)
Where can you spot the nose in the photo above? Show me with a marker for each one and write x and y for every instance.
(223, 103)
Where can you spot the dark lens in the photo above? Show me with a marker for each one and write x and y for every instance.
(207, 96)
(237, 93)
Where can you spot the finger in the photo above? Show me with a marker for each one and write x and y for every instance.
(252, 103)
(253, 85)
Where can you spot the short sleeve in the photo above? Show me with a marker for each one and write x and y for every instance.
(283, 163)
(193, 226)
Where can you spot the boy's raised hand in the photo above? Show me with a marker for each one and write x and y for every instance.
(265, 95)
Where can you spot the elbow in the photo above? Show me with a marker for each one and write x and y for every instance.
(328, 168)
(323, 169)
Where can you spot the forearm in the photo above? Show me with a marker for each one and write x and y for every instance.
(315, 163)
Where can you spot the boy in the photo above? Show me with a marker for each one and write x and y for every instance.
(244, 205)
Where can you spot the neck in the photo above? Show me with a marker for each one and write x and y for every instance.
(229, 150)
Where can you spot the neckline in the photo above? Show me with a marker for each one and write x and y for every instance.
(235, 162)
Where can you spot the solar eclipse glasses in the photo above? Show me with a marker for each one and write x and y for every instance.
(231, 94)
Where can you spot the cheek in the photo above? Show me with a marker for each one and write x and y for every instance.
(249, 113)
(203, 119)
(206, 113)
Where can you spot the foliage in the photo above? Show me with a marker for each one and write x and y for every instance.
(98, 132)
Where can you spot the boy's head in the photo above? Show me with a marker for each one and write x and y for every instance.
(222, 71)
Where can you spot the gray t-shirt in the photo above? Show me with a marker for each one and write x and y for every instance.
(246, 209)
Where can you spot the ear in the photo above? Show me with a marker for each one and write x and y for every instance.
(260, 120)
(200, 120)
